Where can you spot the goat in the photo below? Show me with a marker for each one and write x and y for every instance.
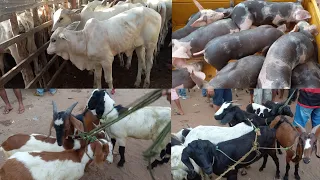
(182, 134)
(145, 123)
(41, 165)
(208, 156)
(36, 142)
(311, 142)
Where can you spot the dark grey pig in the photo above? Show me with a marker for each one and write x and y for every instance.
(306, 75)
(284, 55)
(238, 45)
(240, 74)
(258, 13)
(182, 76)
(198, 39)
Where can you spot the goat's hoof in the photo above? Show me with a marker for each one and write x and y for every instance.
(285, 178)
(297, 177)
(247, 167)
(146, 85)
(280, 152)
(243, 172)
(261, 169)
(120, 163)
(318, 156)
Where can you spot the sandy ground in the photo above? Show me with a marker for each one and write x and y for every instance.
(198, 112)
(38, 114)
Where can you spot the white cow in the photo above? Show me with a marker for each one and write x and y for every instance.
(25, 23)
(64, 17)
(94, 47)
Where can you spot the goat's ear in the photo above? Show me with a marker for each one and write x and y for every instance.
(76, 123)
(295, 146)
(51, 125)
(98, 153)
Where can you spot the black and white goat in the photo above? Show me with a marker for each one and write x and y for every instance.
(208, 155)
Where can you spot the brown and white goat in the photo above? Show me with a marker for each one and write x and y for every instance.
(288, 136)
(39, 165)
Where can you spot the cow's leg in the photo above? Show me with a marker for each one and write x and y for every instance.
(26, 72)
(141, 62)
(2, 64)
(149, 64)
(120, 56)
(129, 58)
(107, 68)
(97, 76)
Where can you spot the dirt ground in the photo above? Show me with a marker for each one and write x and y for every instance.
(38, 114)
(198, 112)
(72, 77)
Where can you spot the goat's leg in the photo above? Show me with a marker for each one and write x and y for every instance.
(113, 141)
(129, 58)
(1, 64)
(107, 68)
(287, 171)
(273, 155)
(122, 150)
(141, 62)
(97, 77)
(232, 175)
(265, 159)
(296, 171)
(278, 146)
(149, 64)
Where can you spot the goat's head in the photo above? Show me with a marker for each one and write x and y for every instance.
(228, 113)
(310, 142)
(100, 103)
(64, 123)
(102, 150)
(207, 16)
(274, 106)
(202, 152)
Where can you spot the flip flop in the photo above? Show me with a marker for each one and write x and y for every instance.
(176, 113)
(6, 111)
(20, 111)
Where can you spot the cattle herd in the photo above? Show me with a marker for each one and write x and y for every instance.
(273, 44)
(65, 156)
(202, 150)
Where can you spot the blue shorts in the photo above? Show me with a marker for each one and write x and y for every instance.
(303, 114)
(221, 95)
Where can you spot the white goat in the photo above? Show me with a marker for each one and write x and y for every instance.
(137, 28)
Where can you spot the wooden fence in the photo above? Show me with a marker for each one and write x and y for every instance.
(8, 12)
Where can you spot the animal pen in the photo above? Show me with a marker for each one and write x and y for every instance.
(39, 75)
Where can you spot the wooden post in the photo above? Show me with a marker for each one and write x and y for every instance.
(74, 4)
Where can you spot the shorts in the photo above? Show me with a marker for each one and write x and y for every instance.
(221, 95)
(174, 95)
(303, 114)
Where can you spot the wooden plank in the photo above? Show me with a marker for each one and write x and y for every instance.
(44, 70)
(18, 38)
(54, 77)
(7, 10)
(15, 70)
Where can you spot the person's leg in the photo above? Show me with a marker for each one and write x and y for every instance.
(315, 117)
(39, 92)
(18, 94)
(204, 92)
(175, 98)
(183, 93)
(302, 115)
(4, 97)
(217, 99)
(227, 95)
(177, 102)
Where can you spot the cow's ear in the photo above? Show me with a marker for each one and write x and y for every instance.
(63, 36)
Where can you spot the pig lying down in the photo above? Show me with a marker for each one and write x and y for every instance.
(306, 75)
(284, 55)
(198, 39)
(257, 13)
(181, 77)
(238, 45)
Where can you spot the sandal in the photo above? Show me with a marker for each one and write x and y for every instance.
(37, 94)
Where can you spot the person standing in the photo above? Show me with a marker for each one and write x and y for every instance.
(8, 107)
(175, 98)
(219, 96)
(40, 91)
(261, 96)
(308, 107)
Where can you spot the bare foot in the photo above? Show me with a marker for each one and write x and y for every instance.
(7, 109)
(21, 109)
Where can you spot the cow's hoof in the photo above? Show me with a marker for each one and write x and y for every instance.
(128, 66)
(137, 84)
(146, 85)
(285, 178)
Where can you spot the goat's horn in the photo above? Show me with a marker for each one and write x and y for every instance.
(55, 109)
(315, 129)
(302, 128)
(69, 110)
(51, 125)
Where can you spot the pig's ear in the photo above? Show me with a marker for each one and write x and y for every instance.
(312, 29)
(198, 5)
(200, 22)
(179, 62)
(295, 29)
(282, 28)
(198, 77)
(302, 15)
